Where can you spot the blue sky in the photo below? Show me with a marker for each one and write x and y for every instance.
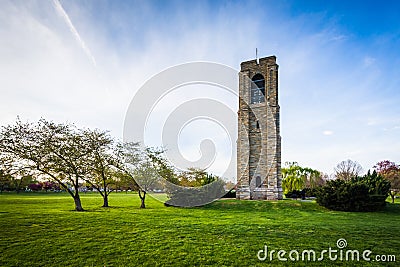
(339, 65)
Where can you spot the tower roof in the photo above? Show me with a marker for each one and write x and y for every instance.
(270, 60)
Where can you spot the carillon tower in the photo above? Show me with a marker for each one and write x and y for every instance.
(259, 141)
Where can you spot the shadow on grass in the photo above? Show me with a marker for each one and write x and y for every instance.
(114, 208)
(391, 208)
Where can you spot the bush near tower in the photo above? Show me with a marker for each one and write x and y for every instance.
(366, 193)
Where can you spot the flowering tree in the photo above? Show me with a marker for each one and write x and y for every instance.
(390, 171)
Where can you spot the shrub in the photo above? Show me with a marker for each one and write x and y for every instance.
(194, 196)
(306, 192)
(310, 192)
(367, 193)
(296, 194)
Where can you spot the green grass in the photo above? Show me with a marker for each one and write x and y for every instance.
(43, 230)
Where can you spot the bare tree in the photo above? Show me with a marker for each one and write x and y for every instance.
(348, 169)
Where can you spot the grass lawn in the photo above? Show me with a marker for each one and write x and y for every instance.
(38, 229)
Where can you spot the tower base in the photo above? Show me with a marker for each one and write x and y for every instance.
(245, 193)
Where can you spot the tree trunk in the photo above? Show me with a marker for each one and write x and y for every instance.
(18, 186)
(392, 196)
(105, 196)
(105, 200)
(78, 204)
(142, 205)
(142, 199)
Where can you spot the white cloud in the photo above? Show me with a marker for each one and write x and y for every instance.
(368, 61)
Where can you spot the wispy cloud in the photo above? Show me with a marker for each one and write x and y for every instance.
(60, 10)
(368, 61)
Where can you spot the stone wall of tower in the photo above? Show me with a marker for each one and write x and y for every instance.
(259, 141)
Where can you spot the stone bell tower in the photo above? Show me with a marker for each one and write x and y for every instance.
(259, 141)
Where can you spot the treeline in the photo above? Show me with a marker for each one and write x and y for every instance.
(26, 183)
(51, 156)
(347, 189)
